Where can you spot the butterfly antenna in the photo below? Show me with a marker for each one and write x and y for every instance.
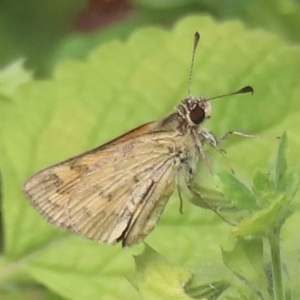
(244, 90)
(196, 41)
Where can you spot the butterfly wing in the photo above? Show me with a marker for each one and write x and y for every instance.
(113, 193)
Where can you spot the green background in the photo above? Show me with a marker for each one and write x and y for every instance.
(63, 92)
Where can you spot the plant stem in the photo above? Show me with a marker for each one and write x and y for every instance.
(274, 242)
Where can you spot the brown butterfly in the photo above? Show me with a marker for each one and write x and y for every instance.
(118, 191)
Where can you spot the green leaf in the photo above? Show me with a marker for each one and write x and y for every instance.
(286, 181)
(245, 260)
(281, 164)
(201, 286)
(158, 279)
(119, 87)
(262, 183)
(239, 193)
(263, 221)
(280, 178)
(275, 191)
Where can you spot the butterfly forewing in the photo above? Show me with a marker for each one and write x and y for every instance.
(116, 192)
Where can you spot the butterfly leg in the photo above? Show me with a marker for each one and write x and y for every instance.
(238, 133)
(180, 199)
(199, 197)
(246, 135)
(199, 140)
(215, 143)
(208, 137)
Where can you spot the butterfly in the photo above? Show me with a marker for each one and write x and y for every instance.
(118, 191)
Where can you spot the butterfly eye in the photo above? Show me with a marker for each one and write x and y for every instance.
(197, 114)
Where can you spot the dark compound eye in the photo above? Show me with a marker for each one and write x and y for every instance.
(197, 114)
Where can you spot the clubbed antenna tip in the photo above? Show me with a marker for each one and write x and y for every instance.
(196, 41)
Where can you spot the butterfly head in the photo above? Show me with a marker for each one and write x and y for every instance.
(194, 111)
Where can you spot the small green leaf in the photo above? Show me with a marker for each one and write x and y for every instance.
(284, 180)
(142, 260)
(210, 197)
(158, 279)
(263, 221)
(237, 192)
(290, 184)
(281, 164)
(211, 290)
(261, 183)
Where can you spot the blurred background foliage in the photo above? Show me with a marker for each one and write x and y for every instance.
(46, 31)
